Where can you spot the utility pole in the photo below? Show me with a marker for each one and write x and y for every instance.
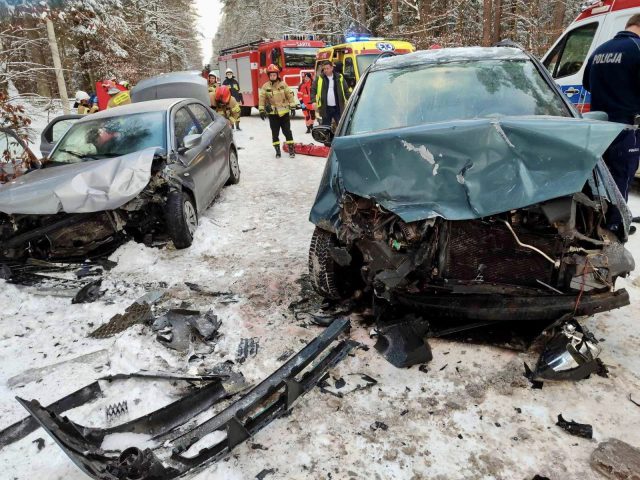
(57, 65)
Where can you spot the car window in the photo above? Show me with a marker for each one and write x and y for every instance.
(111, 137)
(568, 59)
(263, 58)
(275, 57)
(59, 129)
(201, 114)
(349, 72)
(453, 91)
(183, 125)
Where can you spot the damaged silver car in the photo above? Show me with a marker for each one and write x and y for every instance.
(463, 184)
(138, 171)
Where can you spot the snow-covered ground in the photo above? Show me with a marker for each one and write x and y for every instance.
(472, 415)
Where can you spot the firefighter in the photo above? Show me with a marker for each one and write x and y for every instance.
(213, 82)
(233, 84)
(223, 102)
(304, 94)
(118, 97)
(83, 102)
(277, 100)
(330, 95)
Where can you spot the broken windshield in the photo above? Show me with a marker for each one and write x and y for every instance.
(453, 91)
(111, 137)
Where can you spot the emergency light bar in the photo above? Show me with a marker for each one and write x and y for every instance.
(299, 36)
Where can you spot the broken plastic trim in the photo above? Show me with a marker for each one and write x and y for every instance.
(82, 445)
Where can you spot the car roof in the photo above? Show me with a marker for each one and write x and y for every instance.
(447, 55)
(161, 105)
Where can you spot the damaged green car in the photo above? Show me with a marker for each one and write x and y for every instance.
(462, 183)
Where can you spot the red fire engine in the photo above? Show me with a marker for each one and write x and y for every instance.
(295, 55)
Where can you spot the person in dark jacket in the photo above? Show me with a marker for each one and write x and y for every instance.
(233, 84)
(330, 94)
(612, 75)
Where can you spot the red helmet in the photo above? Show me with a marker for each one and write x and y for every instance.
(273, 69)
(223, 94)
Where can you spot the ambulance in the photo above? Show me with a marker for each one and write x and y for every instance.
(356, 56)
(567, 58)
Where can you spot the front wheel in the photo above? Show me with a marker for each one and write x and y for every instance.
(181, 218)
(328, 278)
(234, 168)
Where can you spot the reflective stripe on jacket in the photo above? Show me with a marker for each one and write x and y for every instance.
(322, 88)
(278, 96)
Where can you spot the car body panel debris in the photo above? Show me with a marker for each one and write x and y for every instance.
(490, 210)
(176, 449)
(616, 460)
(583, 430)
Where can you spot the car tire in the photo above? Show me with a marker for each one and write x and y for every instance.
(234, 168)
(181, 218)
(245, 111)
(323, 270)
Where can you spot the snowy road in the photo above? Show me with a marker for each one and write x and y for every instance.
(471, 416)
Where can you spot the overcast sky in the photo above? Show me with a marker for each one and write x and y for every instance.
(210, 12)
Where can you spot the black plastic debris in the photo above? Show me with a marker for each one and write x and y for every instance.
(353, 382)
(177, 450)
(179, 328)
(540, 477)
(265, 473)
(89, 293)
(39, 443)
(248, 347)
(570, 354)
(633, 401)
(583, 430)
(403, 344)
(377, 425)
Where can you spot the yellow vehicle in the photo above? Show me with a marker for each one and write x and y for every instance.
(357, 56)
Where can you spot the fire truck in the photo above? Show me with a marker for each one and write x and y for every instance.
(294, 54)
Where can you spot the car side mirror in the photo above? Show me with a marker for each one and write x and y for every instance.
(603, 116)
(191, 141)
(322, 134)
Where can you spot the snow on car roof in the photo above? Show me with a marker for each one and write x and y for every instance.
(443, 55)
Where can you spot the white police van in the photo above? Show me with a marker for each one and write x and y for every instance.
(567, 58)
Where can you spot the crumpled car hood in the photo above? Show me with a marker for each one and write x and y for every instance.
(91, 186)
(463, 170)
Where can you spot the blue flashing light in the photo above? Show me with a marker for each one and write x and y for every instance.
(357, 38)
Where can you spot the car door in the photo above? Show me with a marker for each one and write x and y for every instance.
(54, 131)
(567, 61)
(15, 156)
(214, 134)
(196, 160)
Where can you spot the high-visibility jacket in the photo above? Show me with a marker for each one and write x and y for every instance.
(119, 99)
(341, 91)
(86, 109)
(231, 110)
(278, 96)
(304, 94)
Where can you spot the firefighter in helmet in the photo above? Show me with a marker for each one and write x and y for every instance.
(277, 101)
(223, 102)
(83, 102)
(213, 82)
(233, 84)
(118, 97)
